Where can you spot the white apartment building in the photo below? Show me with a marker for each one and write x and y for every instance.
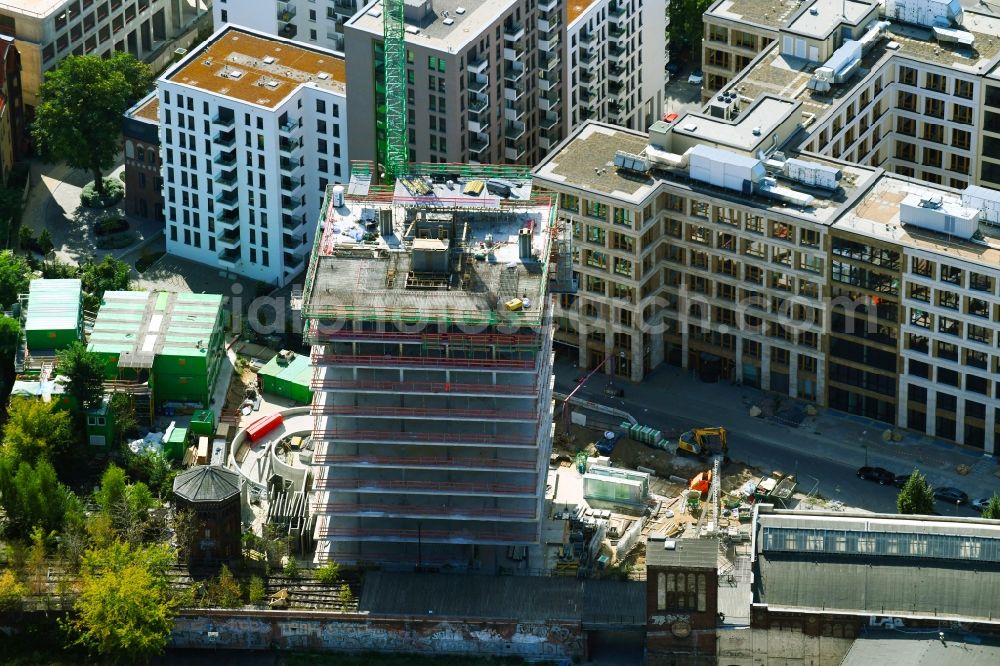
(48, 30)
(253, 129)
(617, 55)
(310, 22)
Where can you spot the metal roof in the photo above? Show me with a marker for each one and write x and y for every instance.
(297, 371)
(524, 598)
(685, 553)
(53, 305)
(895, 649)
(147, 324)
(207, 484)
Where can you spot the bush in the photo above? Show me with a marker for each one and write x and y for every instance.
(329, 573)
(116, 241)
(114, 191)
(45, 244)
(292, 567)
(110, 225)
(146, 260)
(256, 591)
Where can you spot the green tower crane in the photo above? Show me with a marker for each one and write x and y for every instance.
(393, 30)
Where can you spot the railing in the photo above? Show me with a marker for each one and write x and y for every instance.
(423, 387)
(424, 535)
(424, 461)
(443, 437)
(403, 510)
(405, 361)
(433, 486)
(423, 412)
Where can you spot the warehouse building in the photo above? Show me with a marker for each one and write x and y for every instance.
(160, 347)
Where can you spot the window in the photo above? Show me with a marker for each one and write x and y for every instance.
(597, 209)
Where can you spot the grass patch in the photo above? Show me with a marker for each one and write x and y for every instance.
(147, 260)
(114, 191)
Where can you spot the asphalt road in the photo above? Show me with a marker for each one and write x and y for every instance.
(769, 447)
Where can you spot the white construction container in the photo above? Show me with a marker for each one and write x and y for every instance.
(725, 169)
(936, 213)
(924, 12)
(985, 200)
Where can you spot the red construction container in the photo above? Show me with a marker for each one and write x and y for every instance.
(262, 426)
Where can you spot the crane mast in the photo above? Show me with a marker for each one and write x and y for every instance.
(393, 31)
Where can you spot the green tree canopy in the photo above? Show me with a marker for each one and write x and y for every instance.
(109, 274)
(992, 510)
(32, 496)
(37, 429)
(916, 496)
(686, 28)
(15, 274)
(79, 118)
(125, 610)
(125, 505)
(85, 370)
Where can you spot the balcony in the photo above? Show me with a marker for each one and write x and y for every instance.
(293, 223)
(230, 238)
(292, 205)
(289, 166)
(546, 26)
(287, 147)
(515, 54)
(293, 263)
(548, 120)
(288, 125)
(286, 11)
(226, 159)
(588, 60)
(615, 32)
(467, 488)
(228, 219)
(549, 83)
(478, 66)
(288, 31)
(513, 33)
(293, 242)
(616, 73)
(420, 511)
(549, 102)
(514, 113)
(478, 101)
(546, 6)
(395, 535)
(290, 185)
(550, 43)
(226, 179)
(617, 15)
(478, 144)
(514, 73)
(226, 139)
(513, 92)
(478, 83)
(494, 442)
(480, 125)
(586, 38)
(513, 152)
(227, 120)
(227, 198)
(485, 464)
(229, 257)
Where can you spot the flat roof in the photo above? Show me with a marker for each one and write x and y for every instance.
(771, 14)
(765, 114)
(256, 68)
(140, 325)
(36, 8)
(297, 371)
(577, 8)
(702, 553)
(362, 268)
(54, 305)
(877, 215)
(147, 108)
(892, 647)
(829, 14)
(585, 160)
(433, 32)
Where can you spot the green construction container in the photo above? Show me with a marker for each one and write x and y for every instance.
(101, 429)
(203, 422)
(288, 375)
(54, 316)
(175, 443)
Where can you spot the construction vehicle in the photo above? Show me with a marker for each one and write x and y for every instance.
(699, 441)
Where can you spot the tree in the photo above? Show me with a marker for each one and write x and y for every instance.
(686, 27)
(45, 243)
(79, 119)
(109, 274)
(225, 590)
(125, 610)
(123, 413)
(329, 573)
(126, 504)
(291, 567)
(32, 496)
(12, 592)
(992, 510)
(15, 274)
(36, 429)
(345, 596)
(11, 206)
(85, 370)
(915, 497)
(256, 591)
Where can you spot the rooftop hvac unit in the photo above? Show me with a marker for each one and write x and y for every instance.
(985, 200)
(934, 212)
(928, 13)
(726, 169)
(723, 106)
(631, 162)
(813, 174)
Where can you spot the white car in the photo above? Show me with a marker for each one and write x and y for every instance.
(980, 504)
(695, 78)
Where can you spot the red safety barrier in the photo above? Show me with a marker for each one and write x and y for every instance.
(262, 426)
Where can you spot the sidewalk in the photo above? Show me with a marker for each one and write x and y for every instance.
(833, 435)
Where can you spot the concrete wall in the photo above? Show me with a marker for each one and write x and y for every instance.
(358, 633)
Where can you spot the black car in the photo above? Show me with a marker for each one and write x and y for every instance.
(901, 479)
(951, 495)
(880, 474)
(613, 391)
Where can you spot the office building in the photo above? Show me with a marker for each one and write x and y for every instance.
(143, 182)
(48, 30)
(253, 130)
(309, 23)
(427, 310)
(617, 55)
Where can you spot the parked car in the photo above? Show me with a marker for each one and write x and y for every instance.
(613, 391)
(951, 495)
(901, 479)
(883, 476)
(670, 117)
(980, 504)
(695, 77)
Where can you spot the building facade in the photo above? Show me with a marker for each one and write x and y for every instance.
(13, 132)
(319, 25)
(253, 130)
(143, 165)
(48, 30)
(432, 348)
(616, 58)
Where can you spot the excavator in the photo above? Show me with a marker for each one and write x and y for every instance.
(700, 440)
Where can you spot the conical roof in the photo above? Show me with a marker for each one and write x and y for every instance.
(207, 483)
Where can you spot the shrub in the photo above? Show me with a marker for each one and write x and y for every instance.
(329, 573)
(292, 567)
(114, 190)
(256, 592)
(112, 224)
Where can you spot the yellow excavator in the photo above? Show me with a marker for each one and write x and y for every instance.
(703, 441)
